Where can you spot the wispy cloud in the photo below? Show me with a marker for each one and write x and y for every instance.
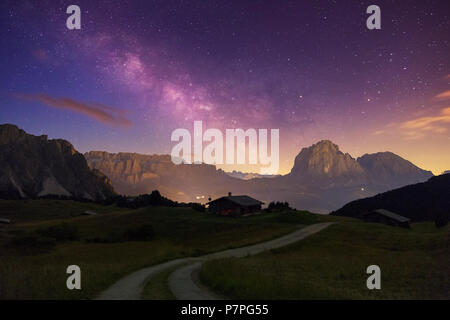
(443, 95)
(99, 112)
(419, 127)
(423, 126)
(429, 122)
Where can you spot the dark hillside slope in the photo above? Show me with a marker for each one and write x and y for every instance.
(419, 202)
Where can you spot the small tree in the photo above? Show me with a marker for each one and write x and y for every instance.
(155, 198)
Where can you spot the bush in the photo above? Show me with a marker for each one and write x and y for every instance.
(441, 220)
(142, 233)
(278, 206)
(144, 200)
(60, 232)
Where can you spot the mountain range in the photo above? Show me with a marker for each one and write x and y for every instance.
(33, 166)
(322, 179)
(249, 175)
(133, 174)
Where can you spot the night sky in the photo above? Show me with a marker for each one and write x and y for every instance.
(137, 70)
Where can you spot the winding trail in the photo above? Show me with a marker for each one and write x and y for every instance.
(183, 282)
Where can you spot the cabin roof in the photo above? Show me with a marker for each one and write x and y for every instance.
(389, 214)
(89, 213)
(243, 200)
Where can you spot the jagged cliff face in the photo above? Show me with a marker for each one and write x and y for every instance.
(32, 166)
(324, 164)
(134, 174)
(323, 178)
(129, 168)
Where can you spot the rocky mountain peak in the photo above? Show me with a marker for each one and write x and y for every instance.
(326, 145)
(325, 160)
(387, 168)
(33, 166)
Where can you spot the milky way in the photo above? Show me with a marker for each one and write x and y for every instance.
(139, 69)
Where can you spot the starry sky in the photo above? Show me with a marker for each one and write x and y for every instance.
(137, 70)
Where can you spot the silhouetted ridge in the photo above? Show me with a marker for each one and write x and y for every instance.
(419, 202)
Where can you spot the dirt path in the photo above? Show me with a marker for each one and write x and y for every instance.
(181, 281)
(184, 283)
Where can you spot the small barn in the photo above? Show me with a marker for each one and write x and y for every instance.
(235, 205)
(89, 213)
(5, 221)
(386, 217)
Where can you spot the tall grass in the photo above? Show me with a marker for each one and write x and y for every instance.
(35, 272)
(415, 264)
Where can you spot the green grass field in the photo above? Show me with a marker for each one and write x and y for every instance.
(415, 264)
(329, 265)
(37, 270)
(158, 287)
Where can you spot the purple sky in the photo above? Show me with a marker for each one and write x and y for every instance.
(137, 70)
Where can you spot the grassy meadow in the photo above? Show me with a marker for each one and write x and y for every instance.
(415, 264)
(48, 235)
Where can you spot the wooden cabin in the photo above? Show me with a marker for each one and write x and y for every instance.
(235, 205)
(386, 217)
(5, 221)
(89, 213)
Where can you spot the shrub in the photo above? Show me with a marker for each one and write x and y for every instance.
(142, 233)
(144, 200)
(441, 220)
(60, 232)
(278, 206)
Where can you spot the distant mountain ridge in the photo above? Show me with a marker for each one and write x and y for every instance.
(249, 175)
(134, 173)
(322, 179)
(390, 170)
(419, 202)
(323, 163)
(33, 166)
